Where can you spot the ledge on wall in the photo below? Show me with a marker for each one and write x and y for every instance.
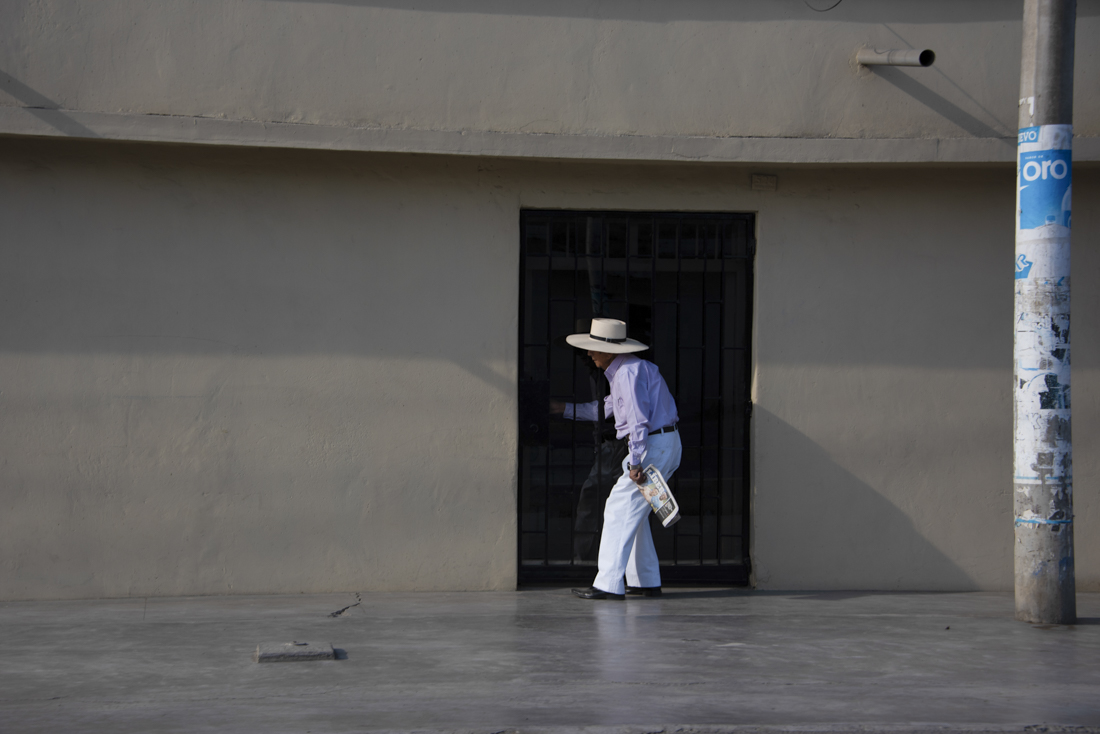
(43, 122)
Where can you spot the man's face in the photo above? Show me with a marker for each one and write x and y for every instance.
(602, 359)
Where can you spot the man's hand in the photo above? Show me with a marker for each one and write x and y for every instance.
(638, 476)
(557, 407)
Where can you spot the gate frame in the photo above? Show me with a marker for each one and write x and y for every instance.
(717, 574)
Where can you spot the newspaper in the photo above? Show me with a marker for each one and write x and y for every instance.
(659, 496)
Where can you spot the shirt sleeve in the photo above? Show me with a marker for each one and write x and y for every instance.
(581, 411)
(635, 410)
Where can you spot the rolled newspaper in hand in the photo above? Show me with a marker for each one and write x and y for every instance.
(659, 496)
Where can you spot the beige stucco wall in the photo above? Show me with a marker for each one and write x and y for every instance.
(225, 375)
(884, 352)
(618, 78)
(233, 371)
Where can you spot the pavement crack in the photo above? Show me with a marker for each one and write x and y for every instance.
(358, 601)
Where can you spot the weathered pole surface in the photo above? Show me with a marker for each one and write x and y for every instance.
(1043, 453)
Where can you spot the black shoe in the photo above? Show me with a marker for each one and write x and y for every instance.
(593, 593)
(643, 591)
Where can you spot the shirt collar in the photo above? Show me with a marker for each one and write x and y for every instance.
(615, 365)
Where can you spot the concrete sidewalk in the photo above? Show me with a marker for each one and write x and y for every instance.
(542, 661)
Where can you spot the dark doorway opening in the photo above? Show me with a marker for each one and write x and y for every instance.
(683, 283)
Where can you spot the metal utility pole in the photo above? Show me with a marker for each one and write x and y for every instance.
(1043, 452)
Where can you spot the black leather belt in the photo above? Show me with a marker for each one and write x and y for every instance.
(666, 429)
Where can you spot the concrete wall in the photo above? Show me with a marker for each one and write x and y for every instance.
(232, 371)
(221, 374)
(884, 352)
(402, 75)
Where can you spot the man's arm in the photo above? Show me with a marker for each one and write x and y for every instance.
(575, 411)
(633, 406)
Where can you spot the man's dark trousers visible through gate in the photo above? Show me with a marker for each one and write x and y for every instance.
(606, 470)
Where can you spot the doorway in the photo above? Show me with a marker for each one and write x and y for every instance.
(683, 283)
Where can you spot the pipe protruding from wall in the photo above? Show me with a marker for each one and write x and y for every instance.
(896, 57)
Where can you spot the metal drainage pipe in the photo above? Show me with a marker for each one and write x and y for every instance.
(899, 57)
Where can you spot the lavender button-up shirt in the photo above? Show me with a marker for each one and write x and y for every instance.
(639, 400)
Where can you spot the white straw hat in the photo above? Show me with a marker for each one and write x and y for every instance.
(606, 335)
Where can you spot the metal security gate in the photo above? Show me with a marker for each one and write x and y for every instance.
(683, 284)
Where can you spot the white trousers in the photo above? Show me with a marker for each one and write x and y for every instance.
(626, 546)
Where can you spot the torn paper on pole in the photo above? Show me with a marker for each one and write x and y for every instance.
(1043, 453)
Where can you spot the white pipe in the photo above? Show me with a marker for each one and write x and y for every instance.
(898, 57)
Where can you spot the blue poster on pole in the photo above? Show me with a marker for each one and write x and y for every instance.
(1045, 177)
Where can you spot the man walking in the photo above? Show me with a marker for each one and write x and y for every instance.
(645, 415)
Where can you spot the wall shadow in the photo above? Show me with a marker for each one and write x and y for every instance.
(818, 526)
(43, 107)
(901, 79)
